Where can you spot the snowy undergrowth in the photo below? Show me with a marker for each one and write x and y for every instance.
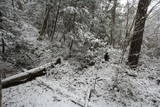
(109, 84)
(106, 84)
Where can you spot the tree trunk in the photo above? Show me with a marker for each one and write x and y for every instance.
(113, 22)
(13, 3)
(28, 75)
(25, 76)
(0, 92)
(44, 25)
(55, 24)
(127, 21)
(137, 38)
(74, 16)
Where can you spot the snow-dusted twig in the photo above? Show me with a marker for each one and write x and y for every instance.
(88, 97)
(75, 102)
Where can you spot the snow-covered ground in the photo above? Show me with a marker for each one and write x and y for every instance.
(106, 84)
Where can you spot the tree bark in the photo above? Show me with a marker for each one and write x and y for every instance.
(137, 38)
(56, 20)
(28, 75)
(24, 76)
(113, 22)
(0, 92)
(13, 3)
(127, 20)
(44, 25)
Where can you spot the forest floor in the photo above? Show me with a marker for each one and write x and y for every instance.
(104, 84)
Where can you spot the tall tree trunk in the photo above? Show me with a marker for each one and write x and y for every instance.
(113, 22)
(55, 24)
(137, 38)
(13, 3)
(127, 20)
(0, 91)
(75, 14)
(44, 25)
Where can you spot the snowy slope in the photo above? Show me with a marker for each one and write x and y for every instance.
(107, 84)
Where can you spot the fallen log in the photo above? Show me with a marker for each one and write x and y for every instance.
(26, 76)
